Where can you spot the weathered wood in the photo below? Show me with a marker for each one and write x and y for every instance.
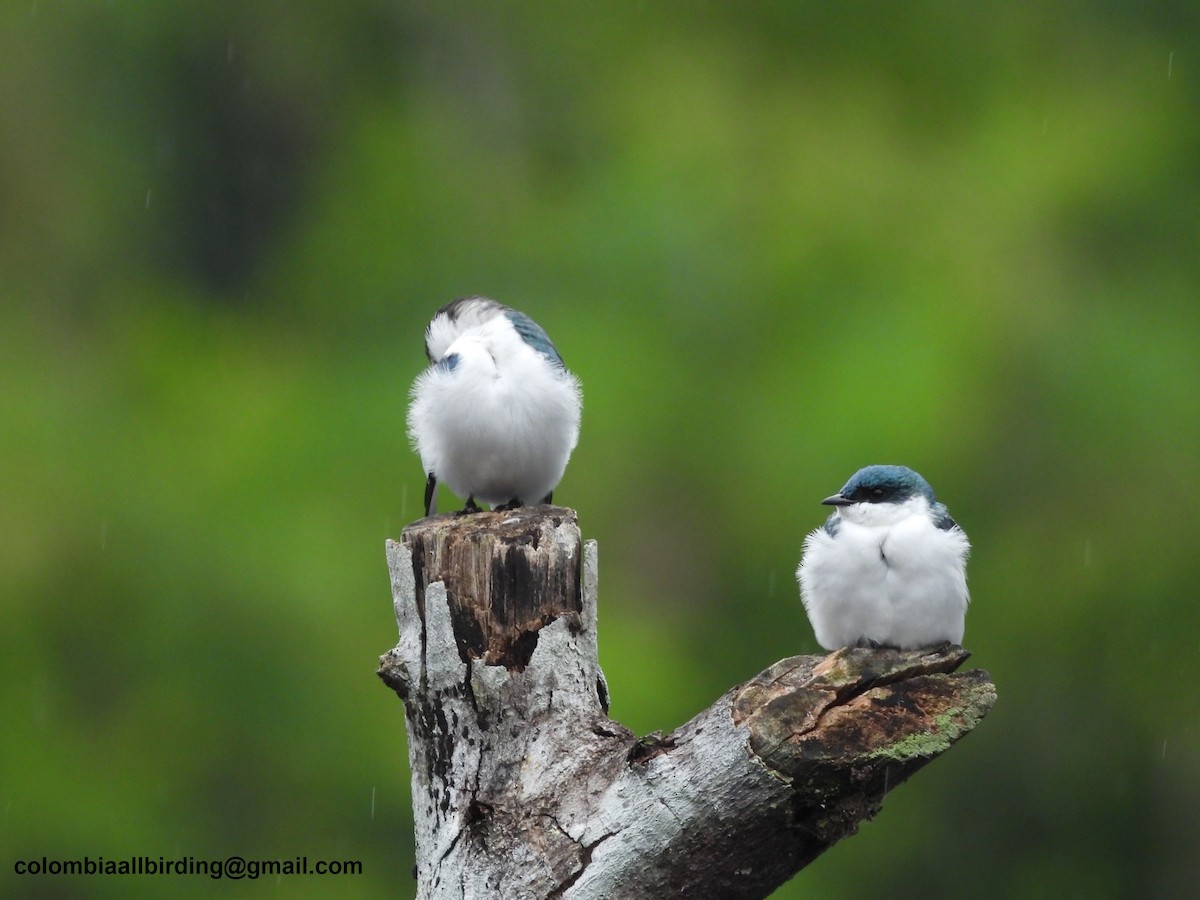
(522, 785)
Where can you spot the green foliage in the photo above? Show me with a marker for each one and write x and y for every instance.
(776, 242)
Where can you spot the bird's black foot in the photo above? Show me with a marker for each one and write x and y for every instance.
(870, 644)
(549, 498)
(471, 507)
(514, 503)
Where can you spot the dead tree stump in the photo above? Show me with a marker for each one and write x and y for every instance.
(524, 788)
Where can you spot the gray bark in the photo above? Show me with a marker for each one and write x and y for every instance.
(524, 788)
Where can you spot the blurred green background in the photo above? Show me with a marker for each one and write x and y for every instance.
(776, 241)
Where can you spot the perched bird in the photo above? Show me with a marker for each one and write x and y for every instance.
(496, 415)
(888, 567)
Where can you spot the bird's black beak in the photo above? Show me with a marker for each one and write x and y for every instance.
(836, 500)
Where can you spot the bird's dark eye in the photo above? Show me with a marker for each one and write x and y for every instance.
(874, 494)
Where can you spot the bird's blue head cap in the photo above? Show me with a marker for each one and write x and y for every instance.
(882, 484)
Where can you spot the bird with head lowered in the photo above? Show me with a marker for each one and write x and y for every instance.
(496, 415)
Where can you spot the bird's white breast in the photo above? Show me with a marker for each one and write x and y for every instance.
(887, 575)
